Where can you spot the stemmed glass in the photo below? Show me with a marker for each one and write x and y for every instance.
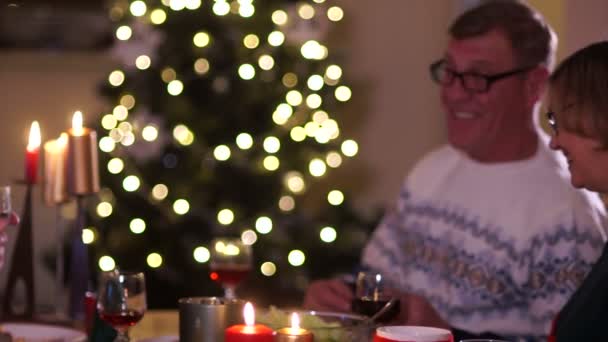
(230, 263)
(372, 291)
(122, 300)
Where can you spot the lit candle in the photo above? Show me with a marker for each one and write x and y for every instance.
(248, 332)
(55, 158)
(31, 154)
(294, 333)
(83, 169)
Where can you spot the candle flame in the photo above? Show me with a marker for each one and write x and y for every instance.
(295, 321)
(34, 139)
(77, 123)
(249, 314)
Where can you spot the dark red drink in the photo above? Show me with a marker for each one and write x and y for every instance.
(122, 319)
(229, 275)
(368, 306)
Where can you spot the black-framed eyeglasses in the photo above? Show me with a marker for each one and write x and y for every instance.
(553, 121)
(470, 81)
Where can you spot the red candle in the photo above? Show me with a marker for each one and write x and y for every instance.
(31, 154)
(248, 332)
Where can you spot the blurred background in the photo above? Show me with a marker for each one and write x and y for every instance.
(56, 58)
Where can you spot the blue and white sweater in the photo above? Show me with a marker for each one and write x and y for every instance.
(494, 247)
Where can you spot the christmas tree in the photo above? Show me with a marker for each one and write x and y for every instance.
(223, 117)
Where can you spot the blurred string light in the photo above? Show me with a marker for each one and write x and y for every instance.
(246, 71)
(263, 225)
(115, 165)
(249, 237)
(276, 38)
(349, 148)
(306, 11)
(294, 181)
(107, 144)
(244, 141)
(333, 159)
(287, 203)
(181, 206)
(266, 62)
(160, 192)
(268, 268)
(193, 4)
(272, 144)
(143, 62)
(154, 260)
(120, 112)
(106, 263)
(175, 87)
(222, 153)
(290, 80)
(296, 258)
(225, 217)
(221, 8)
(335, 197)
(335, 13)
(137, 226)
(138, 8)
(88, 235)
(201, 254)
(293, 97)
(158, 16)
(279, 17)
(128, 101)
(149, 133)
(317, 167)
(124, 32)
(116, 78)
(201, 66)
(251, 41)
(328, 234)
(108, 121)
(131, 183)
(201, 39)
(343, 93)
(271, 163)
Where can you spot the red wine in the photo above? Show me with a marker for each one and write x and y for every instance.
(368, 306)
(230, 275)
(122, 319)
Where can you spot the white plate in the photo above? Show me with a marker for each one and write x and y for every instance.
(161, 339)
(31, 332)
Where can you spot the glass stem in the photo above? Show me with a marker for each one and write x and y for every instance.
(229, 292)
(122, 335)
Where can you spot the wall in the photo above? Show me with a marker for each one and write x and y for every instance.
(395, 115)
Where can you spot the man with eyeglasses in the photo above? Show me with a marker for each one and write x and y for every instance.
(488, 236)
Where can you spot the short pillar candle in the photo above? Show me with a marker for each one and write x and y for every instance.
(249, 332)
(294, 333)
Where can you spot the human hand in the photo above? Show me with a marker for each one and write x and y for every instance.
(11, 219)
(417, 310)
(328, 295)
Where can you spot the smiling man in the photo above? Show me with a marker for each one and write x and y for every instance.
(488, 236)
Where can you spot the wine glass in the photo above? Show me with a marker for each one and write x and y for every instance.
(230, 263)
(122, 300)
(372, 291)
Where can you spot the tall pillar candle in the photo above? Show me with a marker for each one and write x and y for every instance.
(31, 154)
(83, 166)
(55, 176)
